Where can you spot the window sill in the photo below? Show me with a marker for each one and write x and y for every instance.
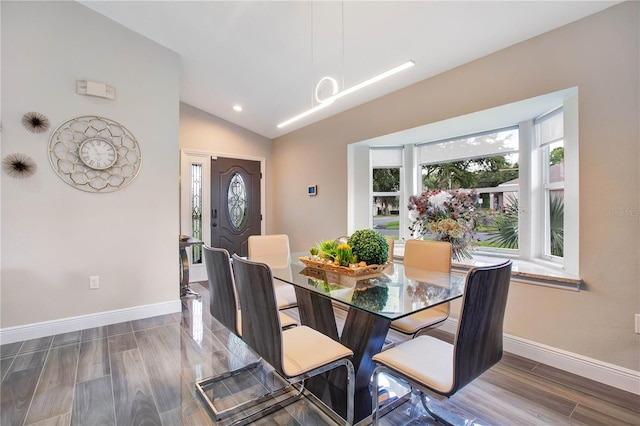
(531, 272)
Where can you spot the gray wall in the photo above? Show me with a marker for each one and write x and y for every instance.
(53, 235)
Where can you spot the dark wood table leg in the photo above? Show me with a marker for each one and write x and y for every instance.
(317, 312)
(363, 333)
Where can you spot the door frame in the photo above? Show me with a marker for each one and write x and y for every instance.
(187, 157)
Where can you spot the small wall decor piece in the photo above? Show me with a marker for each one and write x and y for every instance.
(94, 154)
(19, 165)
(35, 122)
(312, 190)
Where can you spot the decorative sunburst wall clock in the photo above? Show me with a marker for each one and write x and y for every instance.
(95, 154)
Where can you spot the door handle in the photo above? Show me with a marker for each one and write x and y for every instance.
(214, 215)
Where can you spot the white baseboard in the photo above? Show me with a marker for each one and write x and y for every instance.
(603, 372)
(66, 325)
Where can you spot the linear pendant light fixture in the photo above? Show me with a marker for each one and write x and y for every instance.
(326, 102)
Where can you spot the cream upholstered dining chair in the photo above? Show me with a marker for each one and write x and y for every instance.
(391, 244)
(274, 251)
(433, 256)
(223, 306)
(437, 368)
(296, 353)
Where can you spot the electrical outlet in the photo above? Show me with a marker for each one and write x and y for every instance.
(637, 323)
(94, 282)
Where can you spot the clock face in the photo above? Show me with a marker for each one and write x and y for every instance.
(97, 154)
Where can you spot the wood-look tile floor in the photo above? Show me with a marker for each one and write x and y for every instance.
(144, 371)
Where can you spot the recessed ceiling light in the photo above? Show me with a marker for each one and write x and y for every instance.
(237, 108)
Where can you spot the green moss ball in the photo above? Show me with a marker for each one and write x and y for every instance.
(370, 246)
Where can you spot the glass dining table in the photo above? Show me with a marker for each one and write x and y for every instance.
(372, 302)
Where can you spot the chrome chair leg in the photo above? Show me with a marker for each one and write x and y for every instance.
(204, 385)
(375, 402)
(381, 409)
(425, 403)
(271, 408)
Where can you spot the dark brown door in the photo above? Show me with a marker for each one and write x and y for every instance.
(235, 203)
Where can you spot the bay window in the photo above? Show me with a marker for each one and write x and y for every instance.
(521, 159)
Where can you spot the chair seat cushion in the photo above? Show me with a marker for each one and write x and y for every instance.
(425, 360)
(305, 349)
(285, 295)
(414, 322)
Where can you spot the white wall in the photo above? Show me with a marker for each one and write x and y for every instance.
(53, 235)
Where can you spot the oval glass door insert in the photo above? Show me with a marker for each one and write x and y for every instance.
(237, 201)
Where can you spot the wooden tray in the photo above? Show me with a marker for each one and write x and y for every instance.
(344, 270)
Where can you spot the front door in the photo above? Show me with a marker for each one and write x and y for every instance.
(235, 203)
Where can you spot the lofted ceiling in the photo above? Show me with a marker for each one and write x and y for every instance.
(268, 56)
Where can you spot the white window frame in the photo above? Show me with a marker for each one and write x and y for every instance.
(507, 188)
(543, 143)
(522, 221)
(197, 271)
(397, 162)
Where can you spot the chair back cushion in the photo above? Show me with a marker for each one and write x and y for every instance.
(223, 302)
(261, 328)
(390, 243)
(478, 341)
(270, 249)
(431, 255)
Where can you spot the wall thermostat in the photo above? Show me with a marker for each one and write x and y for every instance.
(312, 190)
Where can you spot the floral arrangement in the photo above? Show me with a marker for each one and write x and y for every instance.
(446, 215)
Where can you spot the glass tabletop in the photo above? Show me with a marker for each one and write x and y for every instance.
(395, 292)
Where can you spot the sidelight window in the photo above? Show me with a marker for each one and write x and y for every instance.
(196, 211)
